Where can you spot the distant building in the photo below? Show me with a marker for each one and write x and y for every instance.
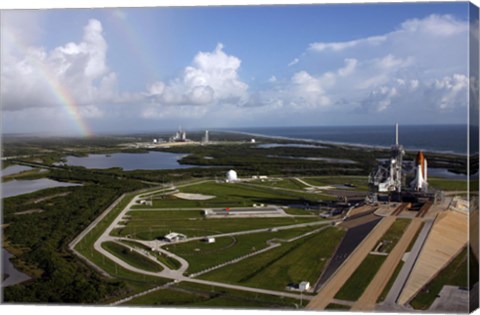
(252, 141)
(180, 136)
(231, 176)
(155, 141)
(174, 237)
(206, 138)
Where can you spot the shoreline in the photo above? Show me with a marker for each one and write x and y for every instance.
(354, 145)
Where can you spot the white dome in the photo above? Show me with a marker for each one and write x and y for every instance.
(231, 175)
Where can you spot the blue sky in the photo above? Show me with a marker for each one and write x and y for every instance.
(156, 68)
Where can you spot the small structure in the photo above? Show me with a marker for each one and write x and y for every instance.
(209, 240)
(231, 176)
(145, 202)
(205, 138)
(174, 237)
(252, 141)
(155, 141)
(304, 286)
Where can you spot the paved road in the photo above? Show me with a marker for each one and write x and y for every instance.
(402, 277)
(368, 299)
(340, 277)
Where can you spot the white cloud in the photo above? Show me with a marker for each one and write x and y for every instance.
(74, 72)
(294, 62)
(212, 77)
(272, 79)
(338, 46)
(421, 64)
(436, 96)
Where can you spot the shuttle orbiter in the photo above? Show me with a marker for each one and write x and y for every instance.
(420, 182)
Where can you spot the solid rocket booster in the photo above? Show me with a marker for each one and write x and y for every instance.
(420, 181)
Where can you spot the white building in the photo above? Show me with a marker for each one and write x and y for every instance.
(304, 286)
(232, 176)
(210, 240)
(174, 237)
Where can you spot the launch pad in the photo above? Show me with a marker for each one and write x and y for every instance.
(396, 180)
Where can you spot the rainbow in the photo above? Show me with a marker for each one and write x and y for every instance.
(65, 98)
(60, 92)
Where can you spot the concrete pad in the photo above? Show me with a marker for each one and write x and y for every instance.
(193, 196)
(451, 299)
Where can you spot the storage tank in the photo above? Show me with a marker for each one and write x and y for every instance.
(231, 176)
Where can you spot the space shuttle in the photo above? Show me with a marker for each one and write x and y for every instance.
(420, 182)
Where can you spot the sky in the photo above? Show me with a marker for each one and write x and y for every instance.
(94, 71)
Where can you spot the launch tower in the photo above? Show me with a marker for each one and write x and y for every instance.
(387, 177)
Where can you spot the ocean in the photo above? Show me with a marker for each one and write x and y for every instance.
(433, 138)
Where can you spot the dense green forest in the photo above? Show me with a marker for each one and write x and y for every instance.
(40, 240)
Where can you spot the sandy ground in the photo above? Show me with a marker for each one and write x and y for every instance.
(446, 239)
(193, 196)
(367, 301)
(338, 279)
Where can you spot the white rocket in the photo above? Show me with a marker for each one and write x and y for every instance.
(420, 182)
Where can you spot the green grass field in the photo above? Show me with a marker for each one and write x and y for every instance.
(201, 255)
(301, 260)
(360, 279)
(393, 235)
(199, 296)
(154, 224)
(360, 182)
(448, 184)
(230, 195)
(168, 261)
(131, 257)
(288, 183)
(337, 307)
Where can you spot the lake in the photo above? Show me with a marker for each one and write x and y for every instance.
(20, 187)
(14, 169)
(130, 161)
(14, 276)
